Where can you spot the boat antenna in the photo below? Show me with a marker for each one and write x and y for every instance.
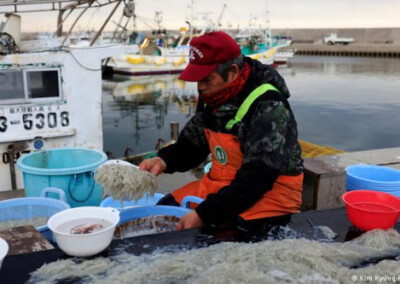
(129, 11)
(190, 20)
(158, 19)
(220, 17)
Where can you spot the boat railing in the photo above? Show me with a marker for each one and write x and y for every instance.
(64, 7)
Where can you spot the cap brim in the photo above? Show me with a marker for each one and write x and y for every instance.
(196, 72)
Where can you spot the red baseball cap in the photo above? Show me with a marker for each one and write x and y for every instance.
(207, 52)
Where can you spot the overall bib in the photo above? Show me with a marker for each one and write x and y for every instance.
(227, 158)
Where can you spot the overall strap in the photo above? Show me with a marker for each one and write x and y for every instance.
(248, 102)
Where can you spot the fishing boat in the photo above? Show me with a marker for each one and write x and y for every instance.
(259, 44)
(162, 53)
(283, 55)
(165, 60)
(49, 98)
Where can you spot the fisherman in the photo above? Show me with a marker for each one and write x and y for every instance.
(244, 120)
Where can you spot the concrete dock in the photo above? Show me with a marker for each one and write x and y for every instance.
(387, 36)
(368, 42)
(325, 177)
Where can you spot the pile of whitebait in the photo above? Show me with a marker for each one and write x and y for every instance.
(124, 181)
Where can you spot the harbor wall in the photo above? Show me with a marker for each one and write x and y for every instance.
(361, 35)
(354, 50)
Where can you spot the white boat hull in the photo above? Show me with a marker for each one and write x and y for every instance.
(282, 57)
(144, 65)
(71, 119)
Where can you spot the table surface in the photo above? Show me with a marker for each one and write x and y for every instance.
(16, 268)
(24, 239)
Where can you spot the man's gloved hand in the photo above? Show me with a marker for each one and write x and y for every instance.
(154, 165)
(190, 220)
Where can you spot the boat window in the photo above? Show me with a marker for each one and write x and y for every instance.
(42, 84)
(11, 85)
(24, 86)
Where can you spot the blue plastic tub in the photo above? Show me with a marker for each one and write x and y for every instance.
(71, 169)
(146, 211)
(358, 182)
(355, 185)
(375, 174)
(146, 200)
(25, 208)
(371, 177)
(395, 193)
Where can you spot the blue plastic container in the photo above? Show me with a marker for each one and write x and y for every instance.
(371, 177)
(359, 182)
(145, 201)
(395, 193)
(373, 174)
(355, 185)
(146, 211)
(71, 169)
(25, 208)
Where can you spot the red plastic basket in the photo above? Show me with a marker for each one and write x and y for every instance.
(368, 209)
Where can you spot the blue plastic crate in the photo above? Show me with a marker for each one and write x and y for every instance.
(146, 211)
(25, 208)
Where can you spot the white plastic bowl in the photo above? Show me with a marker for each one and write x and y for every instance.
(84, 244)
(3, 250)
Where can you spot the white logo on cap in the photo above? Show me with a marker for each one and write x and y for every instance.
(191, 56)
(193, 51)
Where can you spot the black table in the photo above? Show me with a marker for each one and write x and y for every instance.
(17, 268)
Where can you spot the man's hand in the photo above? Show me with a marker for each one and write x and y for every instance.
(154, 165)
(190, 220)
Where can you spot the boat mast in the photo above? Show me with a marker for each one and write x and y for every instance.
(76, 21)
(268, 35)
(219, 24)
(158, 19)
(191, 19)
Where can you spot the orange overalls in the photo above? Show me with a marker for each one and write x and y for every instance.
(227, 158)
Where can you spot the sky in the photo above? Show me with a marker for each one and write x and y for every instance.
(238, 13)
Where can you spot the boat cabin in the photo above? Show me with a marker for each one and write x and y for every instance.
(49, 98)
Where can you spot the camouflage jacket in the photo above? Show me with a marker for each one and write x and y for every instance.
(268, 139)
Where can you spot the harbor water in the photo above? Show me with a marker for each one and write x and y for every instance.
(348, 103)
